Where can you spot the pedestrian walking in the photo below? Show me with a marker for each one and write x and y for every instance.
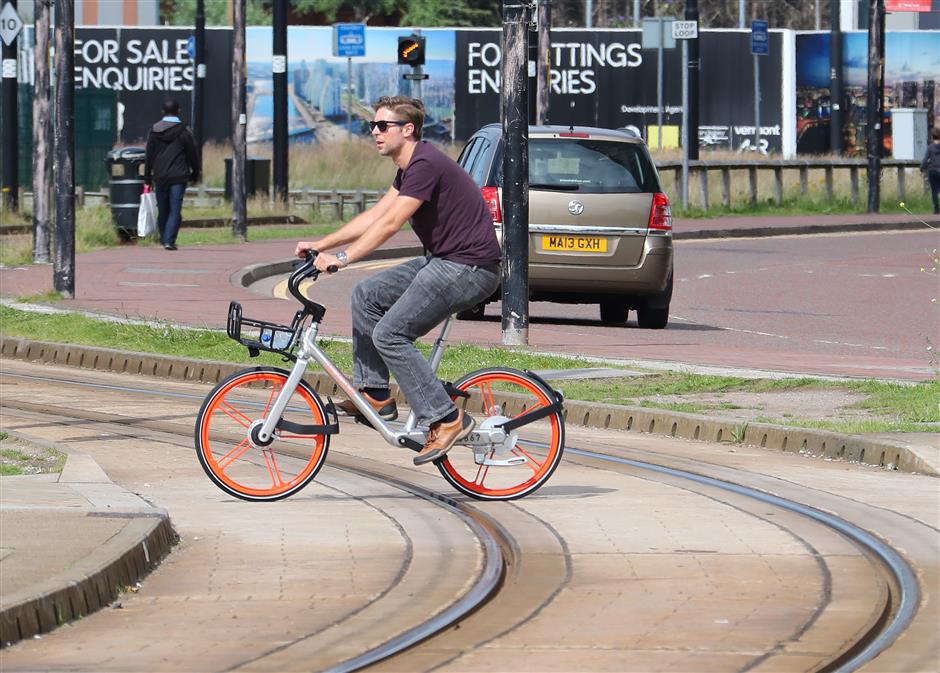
(395, 307)
(171, 162)
(931, 166)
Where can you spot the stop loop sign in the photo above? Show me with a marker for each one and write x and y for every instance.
(684, 30)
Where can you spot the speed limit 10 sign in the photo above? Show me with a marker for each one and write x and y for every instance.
(10, 24)
(684, 30)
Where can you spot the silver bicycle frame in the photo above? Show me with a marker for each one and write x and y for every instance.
(309, 350)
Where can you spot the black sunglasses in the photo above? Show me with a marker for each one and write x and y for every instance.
(383, 125)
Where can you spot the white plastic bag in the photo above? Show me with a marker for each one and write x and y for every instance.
(147, 214)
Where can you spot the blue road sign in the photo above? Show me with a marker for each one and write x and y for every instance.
(349, 39)
(760, 40)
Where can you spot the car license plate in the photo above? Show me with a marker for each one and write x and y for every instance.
(575, 243)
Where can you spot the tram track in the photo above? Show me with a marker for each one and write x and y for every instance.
(494, 608)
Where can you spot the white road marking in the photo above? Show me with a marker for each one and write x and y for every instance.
(132, 284)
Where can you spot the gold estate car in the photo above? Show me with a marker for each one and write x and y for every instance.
(600, 226)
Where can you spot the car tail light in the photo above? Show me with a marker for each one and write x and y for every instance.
(660, 213)
(491, 196)
(574, 134)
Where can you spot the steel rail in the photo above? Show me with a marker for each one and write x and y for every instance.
(907, 601)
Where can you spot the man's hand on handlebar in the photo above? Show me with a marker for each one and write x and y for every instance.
(303, 247)
(327, 263)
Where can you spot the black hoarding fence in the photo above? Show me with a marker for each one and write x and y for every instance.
(605, 78)
(145, 66)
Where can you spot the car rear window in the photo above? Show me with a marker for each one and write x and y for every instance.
(589, 166)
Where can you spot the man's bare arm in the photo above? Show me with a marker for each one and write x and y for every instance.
(353, 229)
(402, 208)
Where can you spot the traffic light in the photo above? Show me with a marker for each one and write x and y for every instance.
(411, 50)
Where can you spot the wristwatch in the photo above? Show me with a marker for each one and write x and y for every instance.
(342, 258)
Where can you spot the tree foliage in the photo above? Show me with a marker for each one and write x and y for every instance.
(183, 13)
(795, 14)
(455, 13)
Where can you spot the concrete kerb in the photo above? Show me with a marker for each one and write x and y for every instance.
(805, 441)
(92, 583)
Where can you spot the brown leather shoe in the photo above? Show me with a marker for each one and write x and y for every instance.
(442, 437)
(386, 409)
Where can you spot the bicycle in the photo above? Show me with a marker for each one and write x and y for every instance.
(263, 433)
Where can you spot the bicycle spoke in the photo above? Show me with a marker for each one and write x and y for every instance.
(482, 472)
(530, 409)
(532, 462)
(274, 392)
(244, 445)
(486, 393)
(271, 463)
(235, 414)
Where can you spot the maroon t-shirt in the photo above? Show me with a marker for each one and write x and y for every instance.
(453, 222)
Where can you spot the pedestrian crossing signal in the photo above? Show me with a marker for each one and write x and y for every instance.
(411, 50)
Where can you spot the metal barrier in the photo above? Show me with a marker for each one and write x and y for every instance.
(699, 170)
(341, 203)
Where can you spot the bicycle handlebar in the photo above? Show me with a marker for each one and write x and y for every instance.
(307, 270)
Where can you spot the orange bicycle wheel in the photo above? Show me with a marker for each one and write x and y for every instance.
(531, 453)
(245, 468)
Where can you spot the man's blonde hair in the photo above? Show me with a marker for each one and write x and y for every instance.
(409, 109)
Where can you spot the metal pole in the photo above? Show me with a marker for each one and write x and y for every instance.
(835, 80)
(685, 126)
(239, 126)
(417, 70)
(818, 17)
(875, 107)
(514, 103)
(199, 80)
(636, 14)
(42, 135)
(543, 80)
(659, 86)
(692, 65)
(279, 76)
(10, 145)
(588, 14)
(63, 263)
(349, 98)
(756, 102)
(741, 13)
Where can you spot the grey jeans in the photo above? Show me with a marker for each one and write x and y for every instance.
(393, 308)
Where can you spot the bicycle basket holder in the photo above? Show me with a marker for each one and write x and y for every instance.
(259, 335)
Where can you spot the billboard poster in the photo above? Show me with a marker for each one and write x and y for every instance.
(912, 71)
(606, 79)
(319, 86)
(146, 66)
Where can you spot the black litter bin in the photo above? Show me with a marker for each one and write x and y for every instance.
(125, 168)
(257, 177)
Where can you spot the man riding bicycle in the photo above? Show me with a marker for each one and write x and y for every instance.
(392, 309)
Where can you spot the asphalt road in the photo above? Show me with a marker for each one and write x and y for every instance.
(830, 305)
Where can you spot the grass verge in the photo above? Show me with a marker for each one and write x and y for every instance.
(882, 406)
(20, 457)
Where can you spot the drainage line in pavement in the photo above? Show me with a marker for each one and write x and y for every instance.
(907, 600)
